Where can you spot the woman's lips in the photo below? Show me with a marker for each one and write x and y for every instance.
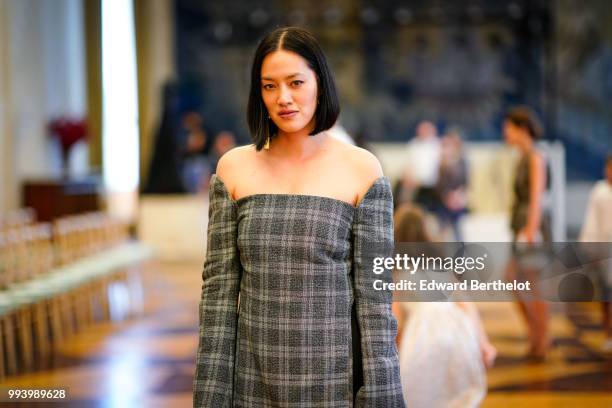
(287, 114)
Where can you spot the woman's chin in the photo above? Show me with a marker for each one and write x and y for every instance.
(292, 128)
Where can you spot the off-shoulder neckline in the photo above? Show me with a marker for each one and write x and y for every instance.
(216, 179)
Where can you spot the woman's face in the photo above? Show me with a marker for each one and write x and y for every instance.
(289, 91)
(514, 135)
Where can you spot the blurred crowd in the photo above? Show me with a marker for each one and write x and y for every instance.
(443, 345)
(435, 178)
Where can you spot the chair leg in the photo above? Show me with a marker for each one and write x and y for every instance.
(89, 294)
(25, 336)
(2, 362)
(66, 311)
(104, 303)
(11, 352)
(79, 308)
(55, 317)
(42, 333)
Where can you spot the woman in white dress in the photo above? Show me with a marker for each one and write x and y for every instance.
(443, 348)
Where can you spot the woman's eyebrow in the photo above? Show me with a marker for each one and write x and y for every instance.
(287, 77)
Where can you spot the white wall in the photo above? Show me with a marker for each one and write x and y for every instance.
(490, 177)
(26, 59)
(490, 172)
(42, 76)
(7, 199)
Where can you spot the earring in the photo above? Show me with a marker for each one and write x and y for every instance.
(267, 144)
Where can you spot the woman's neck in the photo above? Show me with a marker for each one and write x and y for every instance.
(296, 146)
(526, 146)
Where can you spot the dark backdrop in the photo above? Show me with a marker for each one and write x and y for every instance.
(396, 63)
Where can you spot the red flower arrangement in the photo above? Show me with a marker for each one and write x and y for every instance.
(68, 132)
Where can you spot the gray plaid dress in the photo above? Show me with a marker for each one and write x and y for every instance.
(289, 341)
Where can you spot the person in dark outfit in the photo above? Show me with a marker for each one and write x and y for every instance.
(452, 182)
(164, 171)
(529, 222)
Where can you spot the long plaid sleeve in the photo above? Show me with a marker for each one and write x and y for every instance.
(213, 382)
(373, 236)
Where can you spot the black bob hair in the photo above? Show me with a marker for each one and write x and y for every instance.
(304, 44)
(526, 118)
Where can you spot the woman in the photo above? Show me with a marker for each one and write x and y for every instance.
(290, 219)
(528, 223)
(443, 347)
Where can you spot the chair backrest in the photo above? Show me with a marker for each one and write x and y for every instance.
(81, 235)
(16, 255)
(41, 249)
(17, 218)
(26, 252)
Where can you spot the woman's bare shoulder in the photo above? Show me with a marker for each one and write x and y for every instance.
(229, 165)
(363, 163)
(364, 168)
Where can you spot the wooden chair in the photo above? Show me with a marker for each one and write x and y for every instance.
(27, 255)
(16, 321)
(17, 218)
(54, 281)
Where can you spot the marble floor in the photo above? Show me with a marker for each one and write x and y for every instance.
(148, 360)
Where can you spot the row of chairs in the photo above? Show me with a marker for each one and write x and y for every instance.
(17, 218)
(25, 252)
(29, 250)
(52, 284)
(83, 235)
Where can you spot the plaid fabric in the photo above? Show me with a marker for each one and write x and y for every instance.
(213, 382)
(297, 256)
(373, 233)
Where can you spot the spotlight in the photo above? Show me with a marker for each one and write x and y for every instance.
(475, 12)
(333, 16)
(403, 16)
(370, 16)
(297, 17)
(222, 31)
(515, 11)
(259, 17)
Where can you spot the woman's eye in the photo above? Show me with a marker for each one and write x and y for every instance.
(297, 83)
(267, 87)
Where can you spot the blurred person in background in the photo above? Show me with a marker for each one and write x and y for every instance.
(443, 347)
(339, 132)
(529, 223)
(223, 143)
(452, 182)
(196, 167)
(164, 176)
(597, 227)
(404, 191)
(423, 158)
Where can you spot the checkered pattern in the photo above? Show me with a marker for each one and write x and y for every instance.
(373, 232)
(294, 257)
(213, 382)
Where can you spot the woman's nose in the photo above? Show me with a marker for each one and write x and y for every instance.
(284, 97)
